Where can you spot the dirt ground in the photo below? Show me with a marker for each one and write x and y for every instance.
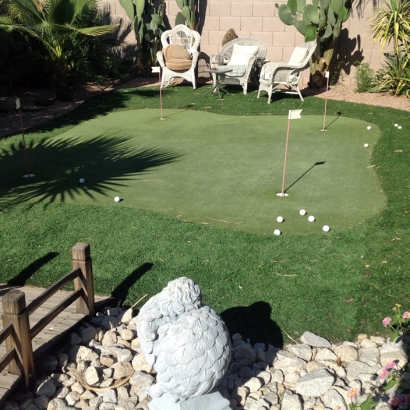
(38, 105)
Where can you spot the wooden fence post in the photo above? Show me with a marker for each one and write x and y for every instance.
(14, 308)
(82, 260)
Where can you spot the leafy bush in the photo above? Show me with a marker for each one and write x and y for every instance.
(394, 77)
(65, 34)
(365, 78)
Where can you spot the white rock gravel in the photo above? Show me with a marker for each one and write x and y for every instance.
(102, 368)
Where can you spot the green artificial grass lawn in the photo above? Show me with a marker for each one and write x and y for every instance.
(337, 284)
(225, 175)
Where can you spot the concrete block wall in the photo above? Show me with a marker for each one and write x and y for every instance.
(260, 19)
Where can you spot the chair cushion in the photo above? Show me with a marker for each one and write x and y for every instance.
(298, 56)
(177, 58)
(242, 54)
(266, 75)
(237, 70)
(229, 36)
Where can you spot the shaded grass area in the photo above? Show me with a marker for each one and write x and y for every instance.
(337, 285)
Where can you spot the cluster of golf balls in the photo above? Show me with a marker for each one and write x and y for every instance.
(398, 126)
(116, 198)
(302, 212)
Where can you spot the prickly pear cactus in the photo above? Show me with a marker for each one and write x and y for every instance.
(321, 20)
(148, 24)
(188, 13)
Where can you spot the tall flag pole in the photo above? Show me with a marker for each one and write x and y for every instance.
(327, 87)
(293, 115)
(18, 107)
(158, 70)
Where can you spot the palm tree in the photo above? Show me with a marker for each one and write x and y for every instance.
(391, 24)
(62, 28)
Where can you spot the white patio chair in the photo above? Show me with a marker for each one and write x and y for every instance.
(179, 54)
(240, 55)
(275, 76)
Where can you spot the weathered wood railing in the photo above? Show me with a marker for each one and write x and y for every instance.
(17, 333)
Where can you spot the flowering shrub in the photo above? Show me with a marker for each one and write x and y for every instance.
(368, 404)
(392, 372)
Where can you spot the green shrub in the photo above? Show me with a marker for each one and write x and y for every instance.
(394, 77)
(365, 79)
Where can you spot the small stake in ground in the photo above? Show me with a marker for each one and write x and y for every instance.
(293, 115)
(327, 87)
(18, 107)
(158, 70)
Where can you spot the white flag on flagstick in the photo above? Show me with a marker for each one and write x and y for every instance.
(294, 114)
(327, 74)
(155, 69)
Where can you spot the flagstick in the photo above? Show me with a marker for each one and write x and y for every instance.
(160, 94)
(327, 87)
(18, 106)
(293, 114)
(284, 162)
(158, 70)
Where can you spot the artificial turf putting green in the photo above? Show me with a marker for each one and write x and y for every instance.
(213, 169)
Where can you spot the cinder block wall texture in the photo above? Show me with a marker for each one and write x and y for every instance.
(260, 19)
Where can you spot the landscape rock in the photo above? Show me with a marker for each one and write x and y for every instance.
(315, 383)
(312, 375)
(315, 341)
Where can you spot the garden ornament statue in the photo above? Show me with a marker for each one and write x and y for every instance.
(189, 346)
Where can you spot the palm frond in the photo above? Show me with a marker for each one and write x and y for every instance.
(98, 30)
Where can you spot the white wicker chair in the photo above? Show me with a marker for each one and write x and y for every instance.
(241, 73)
(189, 39)
(275, 76)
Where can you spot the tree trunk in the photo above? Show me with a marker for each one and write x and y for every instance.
(320, 64)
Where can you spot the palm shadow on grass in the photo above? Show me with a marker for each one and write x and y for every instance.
(106, 162)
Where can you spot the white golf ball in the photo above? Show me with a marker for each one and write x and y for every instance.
(366, 145)
(279, 219)
(82, 180)
(396, 125)
(117, 199)
(369, 127)
(277, 232)
(311, 218)
(302, 212)
(326, 228)
(399, 127)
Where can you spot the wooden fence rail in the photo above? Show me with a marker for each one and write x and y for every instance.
(17, 333)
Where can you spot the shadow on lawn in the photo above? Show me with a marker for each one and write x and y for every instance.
(120, 293)
(253, 322)
(21, 278)
(298, 179)
(96, 106)
(105, 162)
